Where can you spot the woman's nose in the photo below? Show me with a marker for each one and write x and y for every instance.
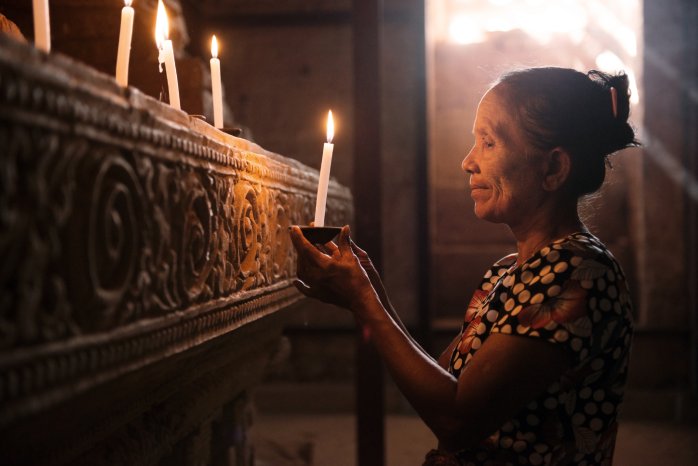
(468, 164)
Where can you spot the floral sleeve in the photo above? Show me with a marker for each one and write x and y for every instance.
(569, 293)
(474, 327)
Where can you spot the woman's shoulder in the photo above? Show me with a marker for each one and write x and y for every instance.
(571, 292)
(586, 254)
(579, 258)
(582, 242)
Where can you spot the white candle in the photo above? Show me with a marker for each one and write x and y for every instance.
(171, 71)
(124, 50)
(216, 88)
(166, 54)
(42, 25)
(324, 174)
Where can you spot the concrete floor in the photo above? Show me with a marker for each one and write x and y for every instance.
(329, 440)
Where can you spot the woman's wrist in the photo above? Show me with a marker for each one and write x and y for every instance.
(364, 300)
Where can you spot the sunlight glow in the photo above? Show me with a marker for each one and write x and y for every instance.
(610, 62)
(612, 25)
(471, 21)
(463, 29)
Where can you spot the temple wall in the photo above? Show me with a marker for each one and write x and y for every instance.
(146, 262)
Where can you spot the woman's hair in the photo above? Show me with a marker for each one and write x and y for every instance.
(560, 107)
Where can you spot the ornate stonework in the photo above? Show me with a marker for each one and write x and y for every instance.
(129, 231)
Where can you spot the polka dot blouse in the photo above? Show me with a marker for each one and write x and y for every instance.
(570, 293)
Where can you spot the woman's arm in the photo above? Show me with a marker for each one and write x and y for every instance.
(377, 284)
(505, 374)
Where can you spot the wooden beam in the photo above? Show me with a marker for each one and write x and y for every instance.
(367, 28)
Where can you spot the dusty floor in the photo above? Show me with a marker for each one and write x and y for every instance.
(329, 440)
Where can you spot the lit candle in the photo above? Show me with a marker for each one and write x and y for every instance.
(216, 89)
(324, 174)
(166, 54)
(124, 50)
(42, 25)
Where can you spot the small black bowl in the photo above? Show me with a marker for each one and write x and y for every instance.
(320, 235)
(232, 131)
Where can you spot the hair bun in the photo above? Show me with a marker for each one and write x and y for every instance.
(616, 133)
(561, 107)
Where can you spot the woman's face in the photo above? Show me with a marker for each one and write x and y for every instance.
(505, 175)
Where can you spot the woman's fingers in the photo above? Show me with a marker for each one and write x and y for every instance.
(303, 288)
(330, 273)
(298, 239)
(344, 240)
(320, 294)
(309, 291)
(330, 248)
(305, 249)
(360, 253)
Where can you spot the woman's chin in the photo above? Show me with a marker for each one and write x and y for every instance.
(481, 212)
(487, 215)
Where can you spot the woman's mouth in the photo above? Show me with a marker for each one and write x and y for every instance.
(478, 191)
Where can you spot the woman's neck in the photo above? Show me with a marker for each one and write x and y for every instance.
(543, 228)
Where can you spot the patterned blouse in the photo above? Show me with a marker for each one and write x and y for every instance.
(570, 293)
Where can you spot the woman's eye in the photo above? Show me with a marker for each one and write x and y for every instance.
(488, 144)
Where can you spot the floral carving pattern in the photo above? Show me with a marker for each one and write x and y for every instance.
(125, 234)
(114, 236)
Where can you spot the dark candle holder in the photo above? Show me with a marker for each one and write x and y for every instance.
(320, 235)
(232, 131)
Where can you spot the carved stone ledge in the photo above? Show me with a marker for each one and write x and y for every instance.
(130, 231)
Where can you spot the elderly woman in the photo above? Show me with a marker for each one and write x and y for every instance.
(537, 373)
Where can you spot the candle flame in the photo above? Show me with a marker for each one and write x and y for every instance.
(162, 26)
(330, 127)
(214, 47)
(128, 2)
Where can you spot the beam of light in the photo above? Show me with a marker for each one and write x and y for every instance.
(610, 23)
(542, 20)
(539, 20)
(662, 66)
(676, 172)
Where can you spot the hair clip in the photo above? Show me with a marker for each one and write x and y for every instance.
(614, 101)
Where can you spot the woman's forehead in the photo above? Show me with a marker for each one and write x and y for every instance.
(493, 117)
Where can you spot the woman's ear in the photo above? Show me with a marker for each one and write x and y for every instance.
(557, 169)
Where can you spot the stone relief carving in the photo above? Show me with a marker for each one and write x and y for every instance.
(128, 232)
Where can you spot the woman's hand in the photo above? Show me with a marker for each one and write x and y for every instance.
(372, 273)
(364, 259)
(334, 276)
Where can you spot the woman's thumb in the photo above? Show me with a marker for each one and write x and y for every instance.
(345, 239)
